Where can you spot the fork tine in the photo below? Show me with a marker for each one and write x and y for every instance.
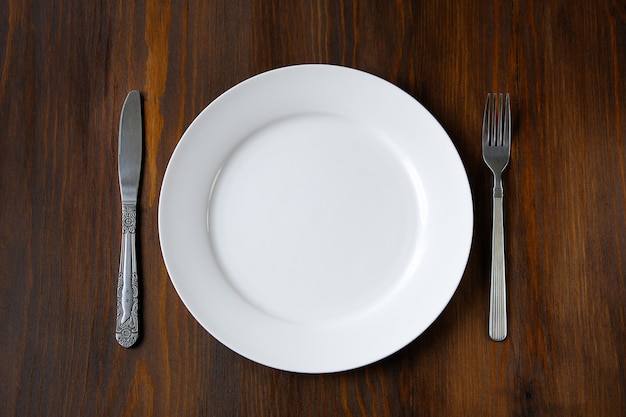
(500, 136)
(507, 122)
(486, 121)
(494, 120)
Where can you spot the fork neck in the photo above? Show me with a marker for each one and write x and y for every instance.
(498, 191)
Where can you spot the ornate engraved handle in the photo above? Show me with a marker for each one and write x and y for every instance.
(127, 323)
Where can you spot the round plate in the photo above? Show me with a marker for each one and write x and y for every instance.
(315, 218)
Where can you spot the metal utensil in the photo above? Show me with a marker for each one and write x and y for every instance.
(496, 143)
(129, 167)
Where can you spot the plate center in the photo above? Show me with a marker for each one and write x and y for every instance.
(315, 219)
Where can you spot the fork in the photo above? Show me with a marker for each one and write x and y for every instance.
(496, 143)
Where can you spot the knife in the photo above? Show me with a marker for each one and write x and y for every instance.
(129, 168)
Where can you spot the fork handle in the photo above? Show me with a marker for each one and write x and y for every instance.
(497, 299)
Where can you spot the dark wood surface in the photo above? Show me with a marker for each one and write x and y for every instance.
(65, 69)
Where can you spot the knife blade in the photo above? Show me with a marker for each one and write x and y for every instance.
(130, 149)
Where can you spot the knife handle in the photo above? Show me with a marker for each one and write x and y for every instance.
(127, 323)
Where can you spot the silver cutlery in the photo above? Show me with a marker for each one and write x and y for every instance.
(496, 144)
(129, 168)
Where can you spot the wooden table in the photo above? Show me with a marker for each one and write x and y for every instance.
(66, 67)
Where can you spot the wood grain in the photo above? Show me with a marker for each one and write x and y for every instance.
(66, 67)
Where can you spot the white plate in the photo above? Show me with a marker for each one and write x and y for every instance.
(315, 218)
